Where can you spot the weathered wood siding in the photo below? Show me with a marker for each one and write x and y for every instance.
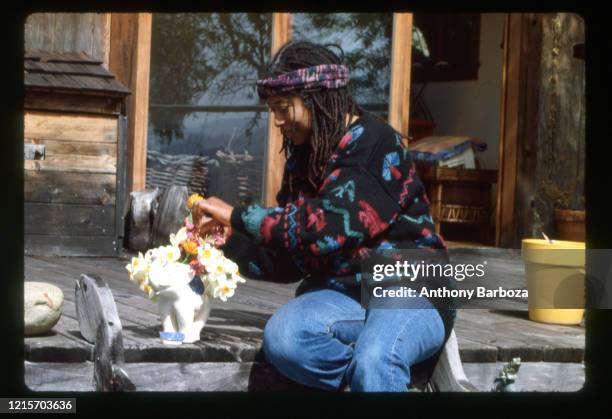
(71, 195)
(73, 32)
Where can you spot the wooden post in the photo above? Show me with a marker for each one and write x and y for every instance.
(274, 161)
(517, 174)
(401, 59)
(506, 180)
(129, 59)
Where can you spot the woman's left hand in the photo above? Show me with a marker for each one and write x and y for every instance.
(216, 208)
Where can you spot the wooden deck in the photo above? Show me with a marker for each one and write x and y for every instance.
(232, 337)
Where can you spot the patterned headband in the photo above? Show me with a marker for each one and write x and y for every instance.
(329, 76)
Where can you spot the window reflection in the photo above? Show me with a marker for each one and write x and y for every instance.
(366, 41)
(205, 122)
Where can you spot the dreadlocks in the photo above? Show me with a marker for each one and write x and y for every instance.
(328, 107)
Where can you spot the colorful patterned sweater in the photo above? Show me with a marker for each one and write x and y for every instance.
(371, 199)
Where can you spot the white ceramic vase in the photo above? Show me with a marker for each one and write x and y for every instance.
(182, 311)
(183, 314)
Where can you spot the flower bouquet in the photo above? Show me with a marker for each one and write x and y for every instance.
(183, 277)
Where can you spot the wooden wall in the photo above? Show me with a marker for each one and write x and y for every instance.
(74, 32)
(122, 41)
(71, 195)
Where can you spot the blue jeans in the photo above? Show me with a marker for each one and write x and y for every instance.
(326, 339)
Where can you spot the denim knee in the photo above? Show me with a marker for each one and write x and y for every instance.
(372, 363)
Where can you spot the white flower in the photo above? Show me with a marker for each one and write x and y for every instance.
(209, 257)
(237, 278)
(138, 269)
(176, 239)
(224, 290)
(172, 253)
(229, 266)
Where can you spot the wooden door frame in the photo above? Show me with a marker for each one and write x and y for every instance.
(274, 162)
(518, 128)
(129, 61)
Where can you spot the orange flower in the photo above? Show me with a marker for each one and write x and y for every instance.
(190, 247)
(193, 199)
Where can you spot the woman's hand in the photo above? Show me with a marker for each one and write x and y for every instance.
(209, 214)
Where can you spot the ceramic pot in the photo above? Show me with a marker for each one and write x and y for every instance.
(555, 278)
(570, 225)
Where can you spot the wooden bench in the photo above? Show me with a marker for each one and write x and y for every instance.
(100, 325)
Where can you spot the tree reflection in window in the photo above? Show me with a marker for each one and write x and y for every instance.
(366, 41)
(205, 59)
(207, 129)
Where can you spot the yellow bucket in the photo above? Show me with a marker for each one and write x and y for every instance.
(555, 279)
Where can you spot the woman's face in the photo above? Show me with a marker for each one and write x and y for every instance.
(292, 117)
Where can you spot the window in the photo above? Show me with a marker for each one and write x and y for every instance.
(366, 41)
(207, 129)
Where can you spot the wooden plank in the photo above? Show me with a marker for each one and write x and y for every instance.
(532, 377)
(80, 148)
(483, 335)
(68, 32)
(531, 50)
(228, 376)
(69, 220)
(75, 156)
(73, 69)
(508, 141)
(274, 161)
(90, 84)
(130, 50)
(62, 344)
(69, 188)
(220, 341)
(121, 187)
(54, 245)
(49, 126)
(74, 163)
(72, 103)
(401, 60)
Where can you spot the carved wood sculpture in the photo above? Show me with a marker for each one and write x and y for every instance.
(99, 324)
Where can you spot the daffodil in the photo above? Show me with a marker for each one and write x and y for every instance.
(208, 255)
(229, 266)
(224, 290)
(176, 239)
(237, 278)
(172, 254)
(138, 269)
